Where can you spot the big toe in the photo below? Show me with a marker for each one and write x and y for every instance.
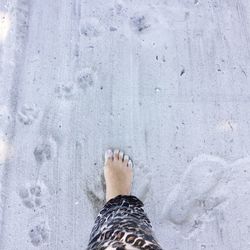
(108, 156)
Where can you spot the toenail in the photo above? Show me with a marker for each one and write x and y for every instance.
(126, 157)
(130, 164)
(108, 153)
(121, 155)
(116, 152)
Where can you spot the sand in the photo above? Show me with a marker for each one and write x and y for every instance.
(165, 81)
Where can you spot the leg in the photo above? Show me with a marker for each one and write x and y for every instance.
(122, 223)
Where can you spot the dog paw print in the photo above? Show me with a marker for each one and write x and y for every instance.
(91, 28)
(64, 92)
(31, 197)
(87, 77)
(39, 234)
(139, 23)
(42, 153)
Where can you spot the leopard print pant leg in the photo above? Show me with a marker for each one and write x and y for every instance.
(123, 225)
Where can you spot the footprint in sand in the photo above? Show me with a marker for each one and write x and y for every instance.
(28, 114)
(39, 233)
(139, 23)
(144, 188)
(119, 8)
(64, 92)
(91, 28)
(95, 194)
(199, 192)
(42, 153)
(87, 77)
(33, 196)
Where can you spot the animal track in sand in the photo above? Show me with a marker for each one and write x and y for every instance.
(146, 25)
(139, 23)
(91, 27)
(85, 78)
(64, 92)
(28, 114)
(39, 233)
(33, 195)
(42, 153)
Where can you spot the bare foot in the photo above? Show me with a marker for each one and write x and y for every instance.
(118, 173)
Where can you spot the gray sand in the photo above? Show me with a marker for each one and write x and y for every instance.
(165, 81)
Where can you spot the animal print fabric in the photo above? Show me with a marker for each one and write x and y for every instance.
(123, 225)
